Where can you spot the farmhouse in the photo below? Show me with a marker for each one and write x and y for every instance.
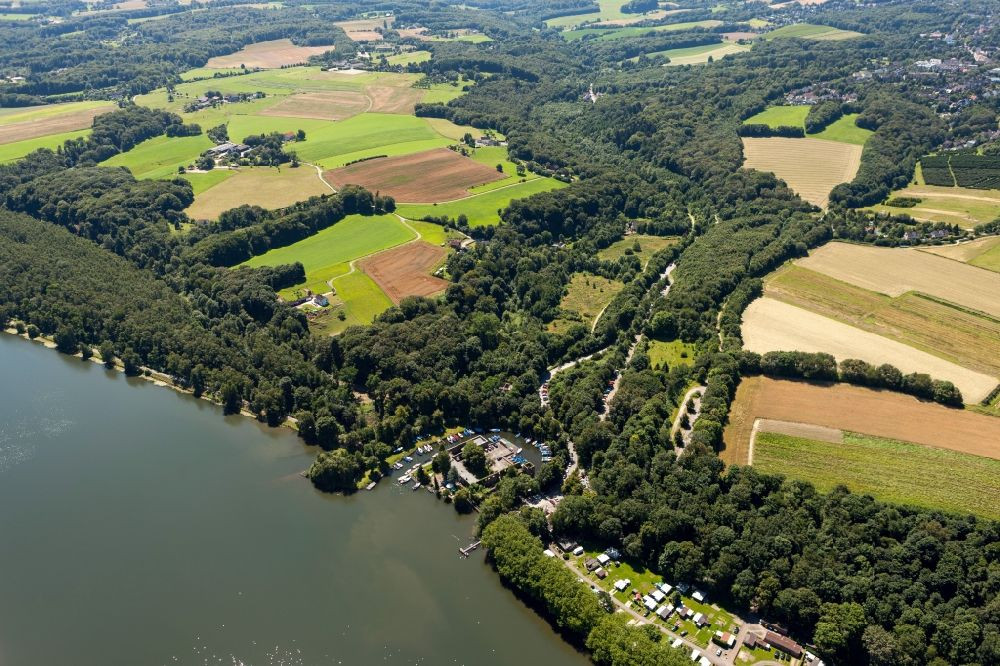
(320, 300)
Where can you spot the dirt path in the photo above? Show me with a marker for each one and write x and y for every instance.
(593, 324)
(682, 408)
(471, 196)
(319, 174)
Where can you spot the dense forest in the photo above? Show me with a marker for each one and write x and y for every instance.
(91, 257)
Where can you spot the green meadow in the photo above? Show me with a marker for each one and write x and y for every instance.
(367, 135)
(889, 470)
(160, 156)
(481, 209)
(414, 57)
(844, 129)
(203, 181)
(607, 34)
(28, 113)
(18, 149)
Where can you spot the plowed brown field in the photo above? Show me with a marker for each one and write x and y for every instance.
(66, 122)
(428, 177)
(336, 105)
(404, 271)
(857, 409)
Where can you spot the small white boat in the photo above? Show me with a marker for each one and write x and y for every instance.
(416, 486)
(398, 465)
(518, 450)
(408, 458)
(406, 478)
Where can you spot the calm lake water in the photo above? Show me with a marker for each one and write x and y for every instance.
(138, 526)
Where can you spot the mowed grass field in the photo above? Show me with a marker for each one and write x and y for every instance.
(967, 338)
(887, 469)
(895, 271)
(668, 354)
(773, 325)
(481, 209)
(856, 409)
(267, 187)
(585, 298)
(810, 31)
(812, 167)
(327, 255)
(983, 252)
(954, 205)
(843, 129)
(648, 246)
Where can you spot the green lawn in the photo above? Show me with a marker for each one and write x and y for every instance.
(207, 73)
(844, 129)
(202, 181)
(442, 93)
(890, 470)
(326, 255)
(481, 209)
(434, 234)
(670, 354)
(15, 17)
(585, 298)
(648, 246)
(686, 56)
(780, 116)
(18, 149)
(810, 31)
(160, 156)
(361, 300)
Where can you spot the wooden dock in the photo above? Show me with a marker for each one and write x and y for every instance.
(464, 552)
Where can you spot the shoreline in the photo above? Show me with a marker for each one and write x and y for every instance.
(154, 377)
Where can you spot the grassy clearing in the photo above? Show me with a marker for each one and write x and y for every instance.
(367, 135)
(780, 116)
(203, 181)
(844, 129)
(585, 298)
(267, 187)
(208, 73)
(959, 335)
(481, 209)
(990, 259)
(18, 149)
(648, 246)
(670, 354)
(326, 255)
(442, 93)
(890, 470)
(810, 31)
(432, 233)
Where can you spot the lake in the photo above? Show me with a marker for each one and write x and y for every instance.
(139, 526)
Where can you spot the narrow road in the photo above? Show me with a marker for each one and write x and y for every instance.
(552, 372)
(682, 409)
(666, 274)
(618, 379)
(319, 174)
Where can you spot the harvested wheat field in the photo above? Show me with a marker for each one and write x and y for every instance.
(964, 252)
(856, 409)
(267, 55)
(365, 30)
(405, 270)
(811, 167)
(772, 325)
(51, 124)
(428, 177)
(259, 186)
(337, 105)
(894, 271)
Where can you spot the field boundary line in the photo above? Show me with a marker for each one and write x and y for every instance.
(471, 196)
(753, 440)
